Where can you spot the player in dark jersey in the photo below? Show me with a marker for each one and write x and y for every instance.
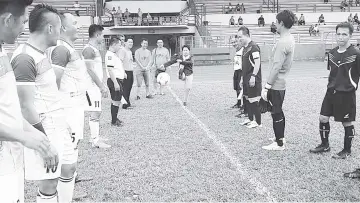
(251, 77)
(274, 90)
(340, 98)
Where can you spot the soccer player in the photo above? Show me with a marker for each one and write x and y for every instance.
(160, 55)
(116, 80)
(237, 71)
(41, 104)
(15, 131)
(274, 90)
(97, 89)
(127, 59)
(251, 66)
(143, 61)
(340, 97)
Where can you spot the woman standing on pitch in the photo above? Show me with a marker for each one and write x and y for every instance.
(186, 69)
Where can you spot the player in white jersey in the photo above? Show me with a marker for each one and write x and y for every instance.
(97, 89)
(73, 81)
(15, 131)
(41, 101)
(116, 78)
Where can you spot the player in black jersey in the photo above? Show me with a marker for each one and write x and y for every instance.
(340, 98)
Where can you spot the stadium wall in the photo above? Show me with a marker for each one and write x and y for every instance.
(271, 17)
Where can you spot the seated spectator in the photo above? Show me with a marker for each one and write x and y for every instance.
(350, 3)
(314, 30)
(232, 21)
(77, 8)
(350, 18)
(273, 28)
(261, 21)
(139, 21)
(326, 1)
(229, 8)
(242, 8)
(357, 2)
(356, 18)
(321, 19)
(240, 21)
(238, 8)
(296, 20)
(343, 5)
(302, 20)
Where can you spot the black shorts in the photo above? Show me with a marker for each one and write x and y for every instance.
(252, 92)
(237, 79)
(276, 99)
(115, 95)
(341, 105)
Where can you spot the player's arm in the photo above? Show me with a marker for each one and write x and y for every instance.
(167, 55)
(137, 59)
(170, 62)
(278, 61)
(257, 62)
(188, 62)
(60, 57)
(89, 56)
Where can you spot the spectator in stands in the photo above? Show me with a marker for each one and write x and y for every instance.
(238, 8)
(302, 20)
(127, 15)
(296, 20)
(232, 21)
(77, 8)
(273, 28)
(343, 5)
(357, 2)
(240, 21)
(321, 19)
(148, 19)
(229, 9)
(314, 29)
(350, 3)
(114, 16)
(119, 15)
(140, 14)
(326, 1)
(350, 18)
(261, 21)
(356, 18)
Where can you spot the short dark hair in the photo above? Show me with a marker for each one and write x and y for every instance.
(287, 17)
(185, 46)
(93, 29)
(144, 39)
(37, 17)
(15, 7)
(114, 40)
(345, 25)
(244, 30)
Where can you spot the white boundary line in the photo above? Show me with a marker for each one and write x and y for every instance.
(244, 174)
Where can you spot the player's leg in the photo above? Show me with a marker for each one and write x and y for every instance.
(254, 98)
(188, 85)
(154, 79)
(324, 125)
(236, 86)
(139, 79)
(147, 84)
(130, 75)
(116, 101)
(10, 190)
(345, 112)
(276, 97)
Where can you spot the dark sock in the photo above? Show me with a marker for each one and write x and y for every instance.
(250, 111)
(238, 100)
(279, 127)
(324, 132)
(114, 112)
(255, 109)
(349, 135)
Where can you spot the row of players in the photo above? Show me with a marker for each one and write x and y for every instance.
(339, 100)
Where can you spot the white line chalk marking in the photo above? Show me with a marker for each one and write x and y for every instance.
(244, 174)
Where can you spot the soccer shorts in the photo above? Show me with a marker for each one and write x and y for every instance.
(58, 132)
(276, 100)
(115, 95)
(253, 94)
(143, 75)
(341, 105)
(94, 99)
(189, 81)
(12, 187)
(237, 79)
(74, 107)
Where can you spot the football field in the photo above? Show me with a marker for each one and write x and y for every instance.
(166, 152)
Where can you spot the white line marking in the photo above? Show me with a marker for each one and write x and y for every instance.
(259, 187)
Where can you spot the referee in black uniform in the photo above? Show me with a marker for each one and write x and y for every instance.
(340, 97)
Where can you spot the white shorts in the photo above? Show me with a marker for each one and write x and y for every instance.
(189, 81)
(75, 115)
(58, 132)
(93, 99)
(12, 187)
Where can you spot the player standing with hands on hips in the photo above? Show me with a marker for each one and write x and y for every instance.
(274, 91)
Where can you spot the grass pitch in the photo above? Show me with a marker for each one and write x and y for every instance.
(164, 153)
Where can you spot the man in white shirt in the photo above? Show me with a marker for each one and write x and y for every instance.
(116, 78)
(143, 63)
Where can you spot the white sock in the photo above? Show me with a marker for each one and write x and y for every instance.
(94, 129)
(41, 198)
(66, 189)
